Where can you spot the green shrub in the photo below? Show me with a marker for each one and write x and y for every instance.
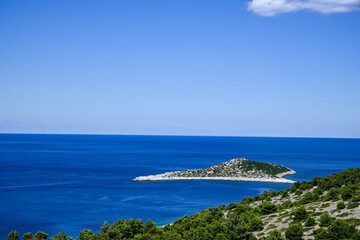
(275, 235)
(354, 221)
(13, 235)
(287, 204)
(340, 205)
(341, 230)
(318, 191)
(320, 234)
(267, 208)
(86, 235)
(256, 224)
(273, 193)
(247, 200)
(347, 193)
(299, 192)
(29, 236)
(40, 236)
(230, 206)
(220, 236)
(353, 205)
(310, 221)
(310, 197)
(294, 232)
(325, 220)
(300, 214)
(285, 194)
(324, 205)
(332, 194)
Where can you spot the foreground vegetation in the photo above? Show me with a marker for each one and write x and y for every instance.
(323, 208)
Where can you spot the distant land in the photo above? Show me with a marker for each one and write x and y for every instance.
(237, 169)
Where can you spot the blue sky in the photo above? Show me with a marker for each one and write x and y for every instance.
(230, 68)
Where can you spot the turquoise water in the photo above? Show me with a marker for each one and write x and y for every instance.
(66, 183)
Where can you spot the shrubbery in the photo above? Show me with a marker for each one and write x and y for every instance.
(294, 232)
(325, 220)
(340, 205)
(310, 221)
(300, 214)
(267, 208)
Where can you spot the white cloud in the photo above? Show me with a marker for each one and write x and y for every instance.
(270, 8)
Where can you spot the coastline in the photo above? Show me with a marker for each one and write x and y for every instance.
(166, 177)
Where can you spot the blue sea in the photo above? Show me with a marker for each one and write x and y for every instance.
(57, 183)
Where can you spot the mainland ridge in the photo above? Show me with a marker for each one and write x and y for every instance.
(237, 169)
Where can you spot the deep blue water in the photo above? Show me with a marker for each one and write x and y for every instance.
(67, 183)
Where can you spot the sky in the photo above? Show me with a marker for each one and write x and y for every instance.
(282, 68)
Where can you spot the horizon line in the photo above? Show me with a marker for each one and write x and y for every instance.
(168, 135)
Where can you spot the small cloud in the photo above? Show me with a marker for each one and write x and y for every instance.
(271, 8)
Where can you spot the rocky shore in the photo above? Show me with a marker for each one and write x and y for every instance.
(237, 169)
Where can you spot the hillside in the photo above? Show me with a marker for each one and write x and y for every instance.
(237, 169)
(323, 208)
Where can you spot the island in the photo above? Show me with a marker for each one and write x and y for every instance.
(237, 169)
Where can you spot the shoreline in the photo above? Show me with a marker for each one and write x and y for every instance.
(240, 179)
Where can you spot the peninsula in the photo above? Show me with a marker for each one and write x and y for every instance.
(237, 169)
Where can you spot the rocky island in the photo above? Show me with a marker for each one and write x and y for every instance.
(237, 169)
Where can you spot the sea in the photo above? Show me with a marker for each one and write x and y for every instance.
(65, 183)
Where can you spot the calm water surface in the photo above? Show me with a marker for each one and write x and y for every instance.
(67, 183)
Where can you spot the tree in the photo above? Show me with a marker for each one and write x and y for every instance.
(325, 220)
(300, 213)
(13, 235)
(86, 235)
(27, 236)
(310, 221)
(340, 205)
(41, 236)
(340, 229)
(294, 232)
(285, 194)
(275, 235)
(267, 208)
(256, 224)
(347, 193)
(60, 236)
(149, 227)
(320, 234)
(221, 236)
(332, 194)
(131, 228)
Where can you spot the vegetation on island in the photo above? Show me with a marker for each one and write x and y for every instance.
(323, 208)
(235, 168)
